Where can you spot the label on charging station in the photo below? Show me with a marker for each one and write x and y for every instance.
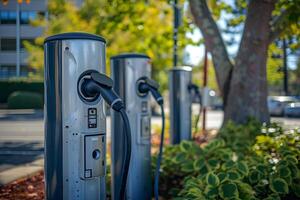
(92, 156)
(92, 118)
(145, 126)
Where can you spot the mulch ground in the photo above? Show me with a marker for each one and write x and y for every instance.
(31, 188)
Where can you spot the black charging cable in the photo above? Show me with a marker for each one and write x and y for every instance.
(195, 89)
(159, 158)
(100, 83)
(144, 86)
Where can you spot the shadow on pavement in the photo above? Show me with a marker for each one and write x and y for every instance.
(13, 154)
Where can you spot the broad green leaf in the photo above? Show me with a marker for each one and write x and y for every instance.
(199, 163)
(179, 158)
(261, 168)
(233, 175)
(212, 179)
(222, 176)
(245, 190)
(283, 163)
(211, 192)
(279, 185)
(228, 165)
(228, 191)
(203, 170)
(243, 168)
(291, 159)
(295, 173)
(187, 167)
(284, 172)
(254, 176)
(185, 146)
(213, 163)
(195, 191)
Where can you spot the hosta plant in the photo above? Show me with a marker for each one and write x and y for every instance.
(265, 168)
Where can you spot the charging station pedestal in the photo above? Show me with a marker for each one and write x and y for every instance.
(180, 104)
(127, 70)
(75, 126)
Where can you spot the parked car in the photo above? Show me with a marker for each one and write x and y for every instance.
(276, 104)
(292, 110)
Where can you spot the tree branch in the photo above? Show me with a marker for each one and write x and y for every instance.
(277, 26)
(213, 42)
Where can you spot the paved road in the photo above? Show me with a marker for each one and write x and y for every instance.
(22, 138)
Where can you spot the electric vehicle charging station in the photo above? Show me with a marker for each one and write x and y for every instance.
(75, 126)
(131, 73)
(128, 70)
(76, 89)
(180, 79)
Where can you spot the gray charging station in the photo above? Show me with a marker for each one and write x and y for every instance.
(127, 70)
(180, 104)
(75, 125)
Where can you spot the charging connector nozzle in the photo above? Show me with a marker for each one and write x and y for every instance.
(145, 85)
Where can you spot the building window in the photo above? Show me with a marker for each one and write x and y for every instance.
(8, 44)
(7, 71)
(30, 40)
(27, 16)
(8, 17)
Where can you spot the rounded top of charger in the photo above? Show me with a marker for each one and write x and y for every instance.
(181, 68)
(129, 55)
(75, 35)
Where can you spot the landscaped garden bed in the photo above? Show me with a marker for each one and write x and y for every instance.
(242, 162)
(30, 188)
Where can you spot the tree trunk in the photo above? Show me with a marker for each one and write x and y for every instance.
(213, 42)
(248, 86)
(244, 84)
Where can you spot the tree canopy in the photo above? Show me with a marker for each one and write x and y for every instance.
(131, 26)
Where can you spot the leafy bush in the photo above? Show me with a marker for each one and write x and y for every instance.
(8, 87)
(266, 167)
(23, 100)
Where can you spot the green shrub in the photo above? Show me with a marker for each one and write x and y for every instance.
(265, 168)
(10, 86)
(25, 100)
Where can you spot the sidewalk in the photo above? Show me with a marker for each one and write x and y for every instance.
(21, 114)
(22, 171)
(21, 143)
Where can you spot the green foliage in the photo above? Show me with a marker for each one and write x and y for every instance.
(265, 168)
(128, 26)
(212, 179)
(239, 137)
(25, 100)
(8, 87)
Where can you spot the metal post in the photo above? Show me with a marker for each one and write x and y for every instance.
(75, 125)
(175, 32)
(18, 68)
(180, 104)
(127, 70)
(204, 88)
(285, 69)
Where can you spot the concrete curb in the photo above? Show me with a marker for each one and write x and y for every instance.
(22, 171)
(21, 114)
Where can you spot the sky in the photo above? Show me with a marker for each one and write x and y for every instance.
(196, 53)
